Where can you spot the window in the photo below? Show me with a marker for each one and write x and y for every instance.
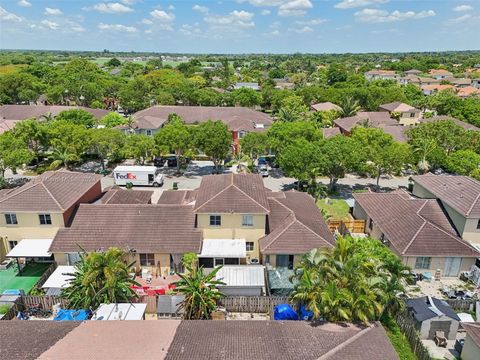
(147, 260)
(45, 219)
(219, 261)
(247, 220)
(370, 224)
(149, 132)
(478, 225)
(11, 219)
(241, 134)
(12, 244)
(215, 220)
(250, 245)
(412, 115)
(423, 262)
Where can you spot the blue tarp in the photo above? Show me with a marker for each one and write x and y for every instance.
(284, 312)
(72, 315)
(305, 314)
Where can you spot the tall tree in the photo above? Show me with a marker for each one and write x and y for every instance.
(78, 117)
(282, 134)
(139, 147)
(463, 162)
(214, 139)
(106, 143)
(13, 153)
(34, 134)
(254, 144)
(349, 107)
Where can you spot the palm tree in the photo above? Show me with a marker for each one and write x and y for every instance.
(48, 117)
(100, 277)
(285, 114)
(200, 290)
(349, 107)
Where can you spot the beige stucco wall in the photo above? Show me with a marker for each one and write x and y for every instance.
(421, 192)
(405, 119)
(425, 328)
(438, 263)
(232, 228)
(471, 351)
(273, 259)
(470, 231)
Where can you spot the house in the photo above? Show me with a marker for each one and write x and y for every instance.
(460, 83)
(240, 120)
(283, 84)
(459, 196)
(464, 125)
(476, 83)
(329, 132)
(325, 106)
(377, 119)
(471, 347)
(11, 114)
(468, 91)
(431, 315)
(246, 85)
(381, 75)
(419, 231)
(431, 89)
(192, 339)
(412, 72)
(407, 115)
(47, 203)
(417, 80)
(118, 195)
(440, 74)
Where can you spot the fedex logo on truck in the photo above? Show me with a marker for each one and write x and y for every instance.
(127, 176)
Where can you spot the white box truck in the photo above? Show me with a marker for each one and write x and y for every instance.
(138, 175)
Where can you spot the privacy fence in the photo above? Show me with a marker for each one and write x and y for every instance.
(407, 327)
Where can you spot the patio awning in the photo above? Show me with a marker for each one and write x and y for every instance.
(242, 275)
(58, 279)
(229, 248)
(28, 248)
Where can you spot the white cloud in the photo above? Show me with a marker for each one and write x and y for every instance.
(383, 16)
(187, 29)
(112, 8)
(128, 2)
(162, 15)
(302, 30)
(235, 19)
(117, 27)
(52, 11)
(77, 28)
(24, 3)
(50, 24)
(273, 33)
(171, 7)
(350, 4)
(463, 18)
(264, 2)
(265, 12)
(461, 8)
(147, 21)
(8, 16)
(311, 22)
(200, 8)
(294, 8)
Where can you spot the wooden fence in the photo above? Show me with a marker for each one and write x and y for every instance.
(462, 305)
(46, 302)
(252, 304)
(150, 300)
(408, 329)
(11, 313)
(344, 226)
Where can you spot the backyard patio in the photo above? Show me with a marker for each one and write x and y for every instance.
(10, 279)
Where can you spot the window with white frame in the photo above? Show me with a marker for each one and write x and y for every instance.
(247, 220)
(11, 219)
(45, 219)
(215, 220)
(423, 262)
(147, 259)
(249, 245)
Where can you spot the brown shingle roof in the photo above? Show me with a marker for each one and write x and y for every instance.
(296, 226)
(22, 112)
(473, 329)
(377, 119)
(145, 228)
(460, 192)
(325, 106)
(54, 191)
(414, 227)
(117, 195)
(464, 125)
(398, 132)
(329, 132)
(177, 197)
(232, 193)
(273, 340)
(236, 118)
(26, 340)
(398, 106)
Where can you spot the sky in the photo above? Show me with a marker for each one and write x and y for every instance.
(241, 26)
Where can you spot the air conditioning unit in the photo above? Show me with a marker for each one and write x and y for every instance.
(254, 261)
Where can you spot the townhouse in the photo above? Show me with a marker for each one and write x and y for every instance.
(381, 75)
(440, 74)
(325, 106)
(404, 113)
(39, 208)
(377, 119)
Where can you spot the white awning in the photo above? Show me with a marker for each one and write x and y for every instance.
(121, 311)
(58, 279)
(228, 248)
(28, 248)
(242, 275)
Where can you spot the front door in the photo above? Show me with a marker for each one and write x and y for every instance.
(452, 266)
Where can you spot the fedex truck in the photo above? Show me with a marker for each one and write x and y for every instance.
(137, 175)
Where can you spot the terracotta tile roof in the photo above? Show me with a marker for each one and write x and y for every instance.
(398, 106)
(437, 87)
(325, 106)
(146, 228)
(468, 91)
(377, 119)
(439, 72)
(329, 132)
(460, 192)
(464, 125)
(473, 329)
(236, 118)
(26, 340)
(117, 195)
(232, 193)
(273, 340)
(54, 191)
(414, 227)
(177, 197)
(296, 226)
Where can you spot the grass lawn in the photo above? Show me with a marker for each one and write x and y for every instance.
(9, 69)
(9, 279)
(337, 209)
(398, 340)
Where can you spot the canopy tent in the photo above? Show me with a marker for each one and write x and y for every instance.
(227, 248)
(58, 280)
(31, 248)
(122, 311)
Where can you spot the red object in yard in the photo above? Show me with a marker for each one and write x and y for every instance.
(172, 286)
(151, 292)
(160, 291)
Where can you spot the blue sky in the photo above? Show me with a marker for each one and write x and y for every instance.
(241, 26)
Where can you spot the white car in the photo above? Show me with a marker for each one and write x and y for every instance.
(263, 171)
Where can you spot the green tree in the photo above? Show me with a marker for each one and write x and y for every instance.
(349, 107)
(214, 139)
(34, 134)
(282, 134)
(13, 153)
(336, 73)
(19, 88)
(139, 147)
(100, 278)
(246, 97)
(293, 109)
(113, 62)
(77, 116)
(69, 141)
(254, 144)
(463, 162)
(134, 95)
(324, 119)
(106, 143)
(112, 119)
(200, 291)
(174, 135)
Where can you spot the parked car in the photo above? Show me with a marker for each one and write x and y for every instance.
(263, 170)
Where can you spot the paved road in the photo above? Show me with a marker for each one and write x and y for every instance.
(193, 176)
